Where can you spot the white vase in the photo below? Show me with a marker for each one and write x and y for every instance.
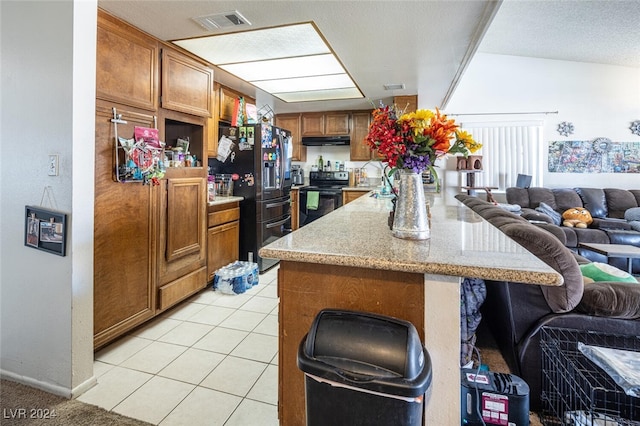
(410, 221)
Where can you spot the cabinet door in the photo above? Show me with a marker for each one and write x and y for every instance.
(408, 103)
(186, 84)
(126, 64)
(295, 208)
(227, 104)
(349, 196)
(223, 246)
(291, 122)
(360, 151)
(312, 124)
(124, 289)
(336, 123)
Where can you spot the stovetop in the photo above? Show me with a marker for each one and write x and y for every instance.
(328, 180)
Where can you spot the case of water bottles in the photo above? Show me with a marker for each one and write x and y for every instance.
(236, 277)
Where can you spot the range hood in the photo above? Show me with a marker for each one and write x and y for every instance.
(326, 140)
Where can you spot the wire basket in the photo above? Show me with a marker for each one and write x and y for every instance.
(575, 390)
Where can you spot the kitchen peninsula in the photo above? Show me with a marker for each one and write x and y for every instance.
(349, 260)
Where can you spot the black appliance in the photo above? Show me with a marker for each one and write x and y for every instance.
(326, 140)
(493, 398)
(259, 158)
(329, 186)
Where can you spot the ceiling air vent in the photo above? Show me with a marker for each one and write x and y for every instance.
(394, 86)
(222, 20)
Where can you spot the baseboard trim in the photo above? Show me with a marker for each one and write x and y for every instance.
(49, 387)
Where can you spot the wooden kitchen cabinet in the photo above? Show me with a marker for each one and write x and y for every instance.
(126, 64)
(181, 244)
(325, 123)
(223, 236)
(295, 208)
(350, 195)
(124, 291)
(336, 123)
(227, 103)
(406, 103)
(360, 151)
(291, 122)
(186, 84)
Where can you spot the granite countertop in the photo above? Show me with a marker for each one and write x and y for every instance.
(461, 244)
(224, 200)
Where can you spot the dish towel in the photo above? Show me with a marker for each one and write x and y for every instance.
(313, 197)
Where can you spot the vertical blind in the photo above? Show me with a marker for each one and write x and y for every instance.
(508, 149)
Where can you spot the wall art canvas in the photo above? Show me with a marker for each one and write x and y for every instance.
(595, 156)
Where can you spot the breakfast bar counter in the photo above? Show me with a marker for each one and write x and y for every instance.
(349, 260)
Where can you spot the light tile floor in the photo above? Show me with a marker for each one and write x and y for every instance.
(212, 360)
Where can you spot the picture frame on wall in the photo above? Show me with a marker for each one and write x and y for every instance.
(45, 230)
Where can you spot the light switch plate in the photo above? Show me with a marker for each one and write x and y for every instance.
(52, 165)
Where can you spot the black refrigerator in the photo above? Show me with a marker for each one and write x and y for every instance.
(259, 159)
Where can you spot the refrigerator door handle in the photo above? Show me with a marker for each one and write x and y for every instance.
(272, 205)
(278, 223)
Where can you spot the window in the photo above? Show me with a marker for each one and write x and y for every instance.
(508, 149)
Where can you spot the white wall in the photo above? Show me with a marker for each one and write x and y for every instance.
(47, 107)
(600, 101)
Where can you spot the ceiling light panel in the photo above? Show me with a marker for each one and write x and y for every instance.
(305, 83)
(301, 66)
(258, 45)
(319, 95)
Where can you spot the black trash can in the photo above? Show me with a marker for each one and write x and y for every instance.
(363, 369)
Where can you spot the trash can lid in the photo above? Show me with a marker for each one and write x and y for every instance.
(373, 351)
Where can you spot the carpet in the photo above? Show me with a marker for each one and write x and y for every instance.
(23, 405)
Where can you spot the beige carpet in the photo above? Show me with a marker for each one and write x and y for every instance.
(23, 405)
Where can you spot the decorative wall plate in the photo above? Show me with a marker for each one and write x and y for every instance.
(565, 129)
(601, 145)
(635, 127)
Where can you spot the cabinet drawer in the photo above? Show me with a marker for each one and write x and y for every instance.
(181, 288)
(223, 216)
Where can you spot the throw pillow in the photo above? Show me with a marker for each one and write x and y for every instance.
(554, 215)
(632, 214)
(635, 225)
(603, 272)
(611, 299)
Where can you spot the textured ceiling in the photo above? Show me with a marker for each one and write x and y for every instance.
(424, 44)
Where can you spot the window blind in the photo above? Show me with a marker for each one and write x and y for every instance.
(508, 149)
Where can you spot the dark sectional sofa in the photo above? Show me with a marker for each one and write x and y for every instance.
(606, 205)
(516, 312)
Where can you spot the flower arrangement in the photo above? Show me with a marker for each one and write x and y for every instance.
(415, 140)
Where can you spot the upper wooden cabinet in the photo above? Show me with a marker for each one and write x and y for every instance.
(227, 104)
(126, 64)
(360, 151)
(186, 84)
(291, 122)
(325, 124)
(407, 103)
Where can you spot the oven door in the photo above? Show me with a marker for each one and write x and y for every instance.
(328, 201)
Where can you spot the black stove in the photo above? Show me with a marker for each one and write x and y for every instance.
(328, 186)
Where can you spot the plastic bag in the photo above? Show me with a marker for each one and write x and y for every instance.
(236, 277)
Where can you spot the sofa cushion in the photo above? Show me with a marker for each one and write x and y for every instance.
(587, 235)
(620, 236)
(535, 216)
(603, 272)
(607, 223)
(541, 195)
(611, 299)
(636, 193)
(551, 251)
(546, 209)
(519, 196)
(594, 200)
(566, 198)
(619, 201)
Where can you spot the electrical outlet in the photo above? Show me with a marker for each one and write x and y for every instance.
(52, 165)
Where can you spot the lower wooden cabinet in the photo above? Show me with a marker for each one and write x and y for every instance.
(182, 239)
(349, 196)
(223, 236)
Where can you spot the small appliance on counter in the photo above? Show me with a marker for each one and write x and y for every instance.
(297, 175)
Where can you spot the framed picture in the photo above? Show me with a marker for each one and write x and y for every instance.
(45, 230)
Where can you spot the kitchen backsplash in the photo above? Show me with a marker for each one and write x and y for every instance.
(340, 154)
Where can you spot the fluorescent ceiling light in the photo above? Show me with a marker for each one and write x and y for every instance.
(281, 61)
